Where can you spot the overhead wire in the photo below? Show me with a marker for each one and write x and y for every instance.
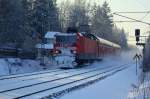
(132, 12)
(145, 16)
(132, 18)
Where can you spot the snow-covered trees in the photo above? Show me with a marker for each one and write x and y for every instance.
(25, 20)
(45, 16)
(102, 23)
(103, 26)
(74, 14)
(93, 18)
(78, 13)
(64, 12)
(119, 37)
(10, 21)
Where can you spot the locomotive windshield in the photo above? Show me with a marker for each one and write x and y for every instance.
(66, 39)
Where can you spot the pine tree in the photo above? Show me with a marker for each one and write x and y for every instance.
(27, 6)
(54, 21)
(119, 37)
(64, 13)
(29, 32)
(40, 16)
(79, 14)
(45, 16)
(107, 21)
(11, 21)
(102, 22)
(123, 39)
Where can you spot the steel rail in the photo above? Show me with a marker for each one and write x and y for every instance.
(111, 70)
(38, 83)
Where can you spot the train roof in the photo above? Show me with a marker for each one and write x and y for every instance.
(66, 34)
(51, 34)
(103, 41)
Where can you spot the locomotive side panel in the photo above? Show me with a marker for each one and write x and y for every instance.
(86, 49)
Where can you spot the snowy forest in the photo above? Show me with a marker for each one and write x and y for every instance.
(25, 22)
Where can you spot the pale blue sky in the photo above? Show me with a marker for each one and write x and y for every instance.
(131, 5)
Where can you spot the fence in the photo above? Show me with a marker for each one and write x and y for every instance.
(16, 53)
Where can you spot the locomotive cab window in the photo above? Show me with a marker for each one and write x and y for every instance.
(66, 39)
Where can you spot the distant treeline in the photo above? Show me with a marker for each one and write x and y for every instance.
(26, 21)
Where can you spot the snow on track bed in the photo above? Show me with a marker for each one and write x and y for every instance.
(45, 74)
(27, 74)
(36, 88)
(57, 92)
(33, 76)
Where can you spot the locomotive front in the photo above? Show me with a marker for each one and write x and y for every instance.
(65, 49)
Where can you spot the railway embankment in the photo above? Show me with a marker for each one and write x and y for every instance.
(142, 90)
(146, 57)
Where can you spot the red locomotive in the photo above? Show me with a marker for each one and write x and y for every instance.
(83, 47)
(91, 47)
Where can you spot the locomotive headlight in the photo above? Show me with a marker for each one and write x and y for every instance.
(73, 52)
(56, 52)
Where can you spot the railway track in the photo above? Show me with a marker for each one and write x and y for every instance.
(28, 74)
(37, 75)
(43, 84)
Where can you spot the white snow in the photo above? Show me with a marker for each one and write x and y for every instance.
(114, 87)
(51, 34)
(17, 66)
(141, 90)
(45, 46)
(66, 58)
(3, 67)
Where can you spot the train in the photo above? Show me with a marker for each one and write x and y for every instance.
(78, 48)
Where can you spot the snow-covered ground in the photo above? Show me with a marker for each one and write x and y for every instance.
(9, 66)
(17, 66)
(114, 87)
(142, 90)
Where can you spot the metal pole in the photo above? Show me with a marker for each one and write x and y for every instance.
(136, 65)
(43, 44)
